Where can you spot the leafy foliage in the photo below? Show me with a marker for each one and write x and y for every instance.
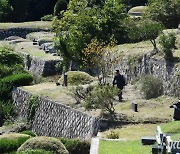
(37, 151)
(165, 11)
(6, 112)
(101, 97)
(32, 105)
(102, 57)
(11, 142)
(144, 30)
(112, 135)
(5, 9)
(28, 132)
(151, 87)
(9, 58)
(45, 143)
(78, 25)
(60, 6)
(7, 83)
(77, 77)
(76, 146)
(167, 42)
(48, 17)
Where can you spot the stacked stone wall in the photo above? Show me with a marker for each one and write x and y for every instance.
(55, 119)
(21, 32)
(168, 72)
(39, 66)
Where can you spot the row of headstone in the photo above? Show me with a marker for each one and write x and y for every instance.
(48, 47)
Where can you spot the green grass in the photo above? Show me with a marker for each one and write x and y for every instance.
(37, 35)
(172, 129)
(33, 50)
(34, 24)
(121, 147)
(132, 135)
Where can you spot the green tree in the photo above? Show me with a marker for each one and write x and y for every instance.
(165, 11)
(145, 30)
(59, 6)
(5, 10)
(167, 42)
(76, 27)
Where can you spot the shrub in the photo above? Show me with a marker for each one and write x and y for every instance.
(37, 151)
(80, 92)
(4, 71)
(45, 143)
(7, 83)
(101, 97)
(48, 17)
(113, 135)
(77, 77)
(76, 146)
(151, 87)
(9, 58)
(11, 142)
(167, 42)
(28, 132)
(7, 111)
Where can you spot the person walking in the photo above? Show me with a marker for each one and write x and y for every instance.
(120, 82)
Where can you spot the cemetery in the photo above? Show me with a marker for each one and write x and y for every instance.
(57, 78)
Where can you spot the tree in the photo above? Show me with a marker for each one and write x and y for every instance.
(59, 6)
(165, 11)
(5, 10)
(78, 25)
(167, 42)
(102, 57)
(145, 30)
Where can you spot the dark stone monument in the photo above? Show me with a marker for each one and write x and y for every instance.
(176, 107)
(65, 80)
(134, 107)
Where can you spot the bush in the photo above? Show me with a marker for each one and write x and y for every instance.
(113, 135)
(4, 71)
(101, 97)
(28, 132)
(37, 151)
(7, 111)
(76, 146)
(45, 143)
(76, 78)
(7, 83)
(48, 17)
(167, 42)
(151, 87)
(60, 5)
(9, 58)
(11, 142)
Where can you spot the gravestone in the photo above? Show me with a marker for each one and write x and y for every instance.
(134, 107)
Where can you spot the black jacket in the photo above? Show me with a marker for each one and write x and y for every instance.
(119, 80)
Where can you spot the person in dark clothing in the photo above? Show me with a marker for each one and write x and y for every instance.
(120, 82)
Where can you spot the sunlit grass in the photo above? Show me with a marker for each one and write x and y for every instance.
(121, 147)
(33, 24)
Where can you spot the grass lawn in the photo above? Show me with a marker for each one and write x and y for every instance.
(133, 134)
(121, 147)
(33, 50)
(34, 24)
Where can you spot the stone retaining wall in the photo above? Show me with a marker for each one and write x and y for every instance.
(168, 72)
(21, 32)
(55, 119)
(39, 66)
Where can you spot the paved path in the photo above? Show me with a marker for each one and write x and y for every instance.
(94, 145)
